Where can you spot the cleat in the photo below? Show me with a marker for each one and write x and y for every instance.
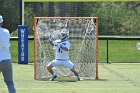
(78, 78)
(54, 77)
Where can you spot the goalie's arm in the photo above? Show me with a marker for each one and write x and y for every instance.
(64, 48)
(61, 46)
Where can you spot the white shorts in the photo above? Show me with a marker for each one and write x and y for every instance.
(58, 63)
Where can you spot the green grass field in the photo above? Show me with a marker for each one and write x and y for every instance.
(113, 78)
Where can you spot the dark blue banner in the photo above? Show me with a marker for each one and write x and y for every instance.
(22, 44)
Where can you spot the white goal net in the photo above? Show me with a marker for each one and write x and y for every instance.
(83, 50)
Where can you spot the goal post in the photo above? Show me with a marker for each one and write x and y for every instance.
(83, 50)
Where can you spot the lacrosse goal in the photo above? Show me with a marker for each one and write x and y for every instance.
(83, 50)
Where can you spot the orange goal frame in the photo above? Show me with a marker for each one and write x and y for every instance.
(65, 18)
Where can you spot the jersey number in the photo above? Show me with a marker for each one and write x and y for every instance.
(60, 50)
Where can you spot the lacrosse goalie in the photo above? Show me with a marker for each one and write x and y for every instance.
(62, 46)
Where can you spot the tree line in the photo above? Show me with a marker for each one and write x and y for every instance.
(115, 18)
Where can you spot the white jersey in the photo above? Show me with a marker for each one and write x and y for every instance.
(4, 44)
(61, 54)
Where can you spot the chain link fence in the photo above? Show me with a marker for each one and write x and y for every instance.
(115, 19)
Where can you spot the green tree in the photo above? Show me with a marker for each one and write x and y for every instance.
(10, 12)
(115, 18)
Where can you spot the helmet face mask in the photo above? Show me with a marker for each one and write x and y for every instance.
(64, 34)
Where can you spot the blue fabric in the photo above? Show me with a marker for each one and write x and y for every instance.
(7, 71)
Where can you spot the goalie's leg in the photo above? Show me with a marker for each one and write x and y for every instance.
(49, 68)
(76, 74)
(70, 65)
(52, 64)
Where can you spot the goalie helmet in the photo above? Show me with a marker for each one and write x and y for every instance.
(64, 34)
(1, 19)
